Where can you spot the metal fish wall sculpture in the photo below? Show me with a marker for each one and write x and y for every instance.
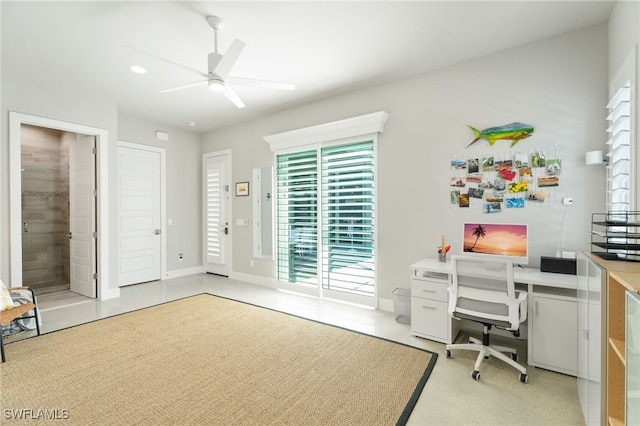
(513, 132)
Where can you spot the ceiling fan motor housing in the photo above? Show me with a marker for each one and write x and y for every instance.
(215, 22)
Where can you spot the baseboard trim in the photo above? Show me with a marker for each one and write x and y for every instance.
(253, 279)
(184, 272)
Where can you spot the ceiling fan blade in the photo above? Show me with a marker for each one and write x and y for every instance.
(184, 67)
(250, 82)
(229, 59)
(233, 96)
(213, 59)
(183, 86)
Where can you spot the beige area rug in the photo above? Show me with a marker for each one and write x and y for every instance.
(214, 361)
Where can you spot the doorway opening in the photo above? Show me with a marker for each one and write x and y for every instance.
(49, 165)
(98, 280)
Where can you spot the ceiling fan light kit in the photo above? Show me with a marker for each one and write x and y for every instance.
(218, 68)
(216, 85)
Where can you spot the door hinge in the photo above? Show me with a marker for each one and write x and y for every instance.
(95, 192)
(95, 275)
(93, 151)
(95, 234)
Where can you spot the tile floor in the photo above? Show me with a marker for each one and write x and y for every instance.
(451, 396)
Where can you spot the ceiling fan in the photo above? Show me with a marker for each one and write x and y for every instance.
(217, 76)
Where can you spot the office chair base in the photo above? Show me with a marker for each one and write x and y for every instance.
(487, 351)
(475, 374)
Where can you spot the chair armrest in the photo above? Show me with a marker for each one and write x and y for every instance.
(522, 301)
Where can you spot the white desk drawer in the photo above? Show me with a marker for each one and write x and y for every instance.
(429, 319)
(429, 290)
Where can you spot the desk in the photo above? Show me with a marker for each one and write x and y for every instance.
(552, 327)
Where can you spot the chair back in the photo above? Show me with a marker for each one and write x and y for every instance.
(483, 290)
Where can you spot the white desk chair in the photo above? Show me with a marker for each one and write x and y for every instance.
(483, 291)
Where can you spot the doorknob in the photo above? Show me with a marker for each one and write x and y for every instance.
(156, 231)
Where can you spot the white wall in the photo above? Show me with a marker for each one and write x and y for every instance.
(624, 35)
(558, 85)
(184, 187)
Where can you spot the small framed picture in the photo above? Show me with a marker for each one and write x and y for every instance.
(242, 189)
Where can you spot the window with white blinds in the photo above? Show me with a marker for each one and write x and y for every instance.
(619, 155)
(297, 217)
(343, 197)
(325, 208)
(213, 211)
(348, 218)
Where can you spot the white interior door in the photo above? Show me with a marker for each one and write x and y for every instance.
(82, 216)
(139, 219)
(216, 215)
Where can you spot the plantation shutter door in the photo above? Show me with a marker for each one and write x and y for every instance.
(348, 218)
(296, 217)
(619, 168)
(213, 220)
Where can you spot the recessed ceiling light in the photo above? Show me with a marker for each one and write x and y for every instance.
(138, 69)
(191, 123)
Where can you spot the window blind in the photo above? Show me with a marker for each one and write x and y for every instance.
(296, 217)
(619, 155)
(348, 218)
(213, 220)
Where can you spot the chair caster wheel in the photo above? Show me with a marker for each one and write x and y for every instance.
(524, 378)
(475, 374)
(514, 356)
(448, 353)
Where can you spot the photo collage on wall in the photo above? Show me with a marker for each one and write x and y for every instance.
(512, 180)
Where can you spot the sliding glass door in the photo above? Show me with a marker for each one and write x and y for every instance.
(326, 221)
(297, 219)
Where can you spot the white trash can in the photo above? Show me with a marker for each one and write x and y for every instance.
(402, 305)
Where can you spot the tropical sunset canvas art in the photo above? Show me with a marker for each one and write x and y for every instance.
(493, 238)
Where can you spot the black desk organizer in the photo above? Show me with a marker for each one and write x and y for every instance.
(616, 235)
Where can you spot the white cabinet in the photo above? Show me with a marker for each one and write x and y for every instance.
(429, 317)
(553, 341)
(591, 283)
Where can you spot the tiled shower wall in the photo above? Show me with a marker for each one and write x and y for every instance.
(45, 206)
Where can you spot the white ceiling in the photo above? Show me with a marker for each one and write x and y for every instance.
(324, 48)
